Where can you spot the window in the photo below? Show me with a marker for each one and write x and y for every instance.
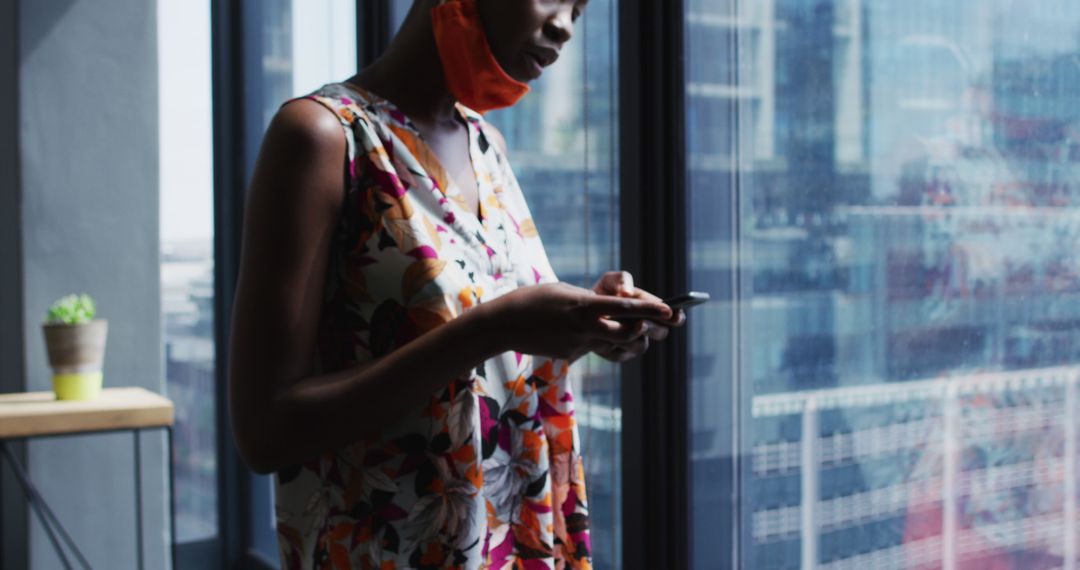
(880, 200)
(187, 260)
(563, 142)
(288, 53)
(889, 198)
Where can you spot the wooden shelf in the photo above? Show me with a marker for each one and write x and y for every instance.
(27, 414)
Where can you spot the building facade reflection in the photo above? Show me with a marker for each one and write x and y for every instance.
(906, 191)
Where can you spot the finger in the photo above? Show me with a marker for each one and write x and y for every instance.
(623, 308)
(608, 283)
(619, 332)
(638, 347)
(677, 320)
(629, 290)
(657, 332)
(623, 351)
(617, 358)
(610, 352)
(626, 284)
(644, 295)
(619, 283)
(619, 354)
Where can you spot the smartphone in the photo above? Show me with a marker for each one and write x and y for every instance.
(686, 300)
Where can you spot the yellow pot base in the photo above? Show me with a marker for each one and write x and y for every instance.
(77, 386)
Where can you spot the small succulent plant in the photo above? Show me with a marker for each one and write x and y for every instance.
(72, 310)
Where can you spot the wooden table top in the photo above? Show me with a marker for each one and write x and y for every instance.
(27, 414)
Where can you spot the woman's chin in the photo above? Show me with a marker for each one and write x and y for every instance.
(533, 70)
(526, 77)
(525, 70)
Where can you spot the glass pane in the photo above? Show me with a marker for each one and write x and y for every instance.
(398, 10)
(297, 46)
(187, 258)
(563, 143)
(904, 340)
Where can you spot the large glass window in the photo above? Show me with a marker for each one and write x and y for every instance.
(187, 259)
(292, 48)
(563, 143)
(888, 192)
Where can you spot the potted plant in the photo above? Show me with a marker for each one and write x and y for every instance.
(76, 345)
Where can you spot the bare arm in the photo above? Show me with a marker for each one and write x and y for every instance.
(284, 414)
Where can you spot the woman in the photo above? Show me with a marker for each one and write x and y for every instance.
(400, 343)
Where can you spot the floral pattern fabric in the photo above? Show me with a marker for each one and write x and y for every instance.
(488, 472)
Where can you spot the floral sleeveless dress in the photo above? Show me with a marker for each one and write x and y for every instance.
(487, 473)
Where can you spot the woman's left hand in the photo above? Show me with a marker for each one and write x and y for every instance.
(621, 284)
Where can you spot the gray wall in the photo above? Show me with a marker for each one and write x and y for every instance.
(88, 186)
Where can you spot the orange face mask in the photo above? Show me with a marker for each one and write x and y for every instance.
(473, 75)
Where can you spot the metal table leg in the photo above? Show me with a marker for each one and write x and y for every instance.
(139, 555)
(172, 498)
(52, 524)
(45, 514)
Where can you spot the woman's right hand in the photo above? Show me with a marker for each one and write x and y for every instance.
(557, 320)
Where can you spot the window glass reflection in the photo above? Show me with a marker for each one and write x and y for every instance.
(899, 239)
(187, 259)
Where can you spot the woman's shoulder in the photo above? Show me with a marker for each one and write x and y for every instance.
(348, 103)
(305, 124)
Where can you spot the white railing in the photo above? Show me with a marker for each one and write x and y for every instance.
(954, 420)
(942, 432)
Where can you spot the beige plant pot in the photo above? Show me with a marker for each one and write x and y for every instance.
(76, 355)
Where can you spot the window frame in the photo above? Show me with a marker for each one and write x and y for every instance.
(373, 30)
(229, 78)
(655, 442)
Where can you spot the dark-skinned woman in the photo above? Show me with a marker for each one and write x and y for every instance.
(400, 342)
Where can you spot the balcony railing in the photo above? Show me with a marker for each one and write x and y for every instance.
(962, 415)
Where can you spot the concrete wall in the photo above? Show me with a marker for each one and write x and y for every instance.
(88, 187)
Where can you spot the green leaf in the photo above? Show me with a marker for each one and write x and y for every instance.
(72, 310)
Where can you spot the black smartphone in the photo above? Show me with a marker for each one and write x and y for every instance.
(686, 300)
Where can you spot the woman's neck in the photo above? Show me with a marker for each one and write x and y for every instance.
(410, 74)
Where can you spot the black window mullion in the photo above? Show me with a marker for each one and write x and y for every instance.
(373, 31)
(654, 246)
(230, 158)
